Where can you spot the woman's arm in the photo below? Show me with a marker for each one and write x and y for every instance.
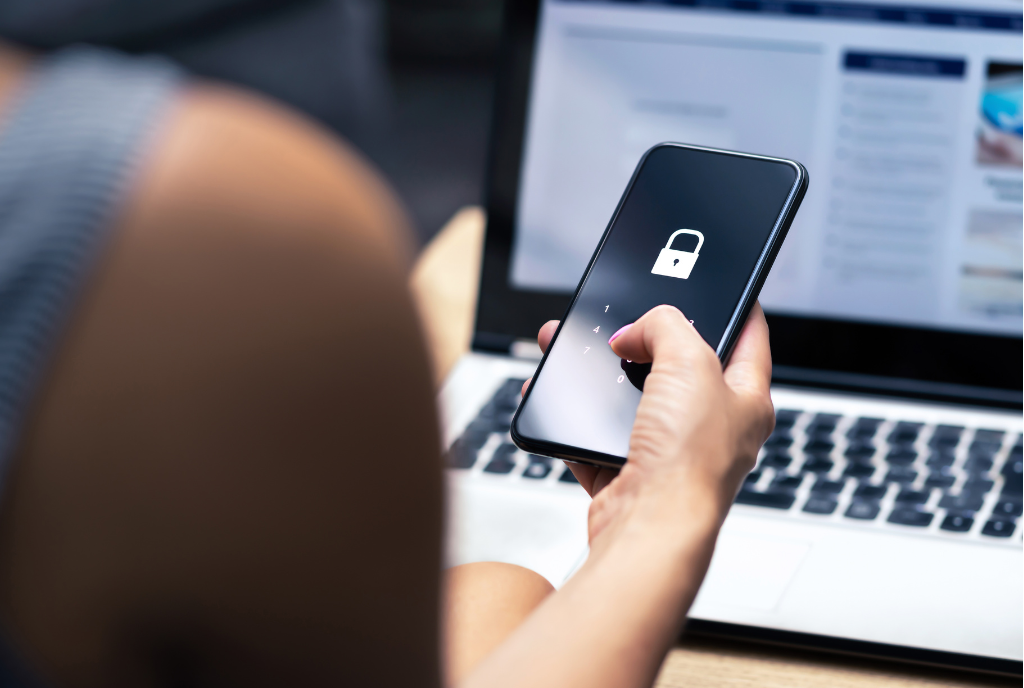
(653, 525)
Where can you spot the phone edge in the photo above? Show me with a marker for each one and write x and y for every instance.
(753, 287)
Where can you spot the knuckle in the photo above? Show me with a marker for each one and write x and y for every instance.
(765, 416)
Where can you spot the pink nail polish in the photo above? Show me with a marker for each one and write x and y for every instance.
(620, 331)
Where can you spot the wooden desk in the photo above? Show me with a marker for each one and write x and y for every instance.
(444, 283)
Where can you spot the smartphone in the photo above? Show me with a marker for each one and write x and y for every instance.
(697, 228)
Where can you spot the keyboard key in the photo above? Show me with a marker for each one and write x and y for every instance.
(480, 425)
(981, 448)
(946, 437)
(817, 464)
(779, 439)
(500, 405)
(502, 461)
(461, 454)
(991, 436)
(476, 435)
(568, 477)
(861, 450)
(999, 527)
(510, 390)
(863, 510)
(905, 433)
(776, 460)
(939, 459)
(537, 469)
(820, 505)
(864, 429)
(908, 496)
(828, 486)
(901, 474)
(819, 445)
(1010, 508)
(862, 471)
(977, 486)
(505, 451)
(752, 478)
(911, 517)
(957, 523)
(963, 502)
(872, 492)
(499, 466)
(941, 477)
(786, 417)
(770, 499)
(823, 424)
(493, 419)
(1012, 475)
(787, 482)
(978, 464)
(901, 455)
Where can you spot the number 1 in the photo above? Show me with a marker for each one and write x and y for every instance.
(606, 309)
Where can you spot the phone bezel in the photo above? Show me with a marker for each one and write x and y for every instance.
(739, 315)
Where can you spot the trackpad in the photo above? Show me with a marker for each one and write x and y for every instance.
(750, 572)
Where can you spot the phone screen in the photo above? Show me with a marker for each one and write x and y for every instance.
(689, 232)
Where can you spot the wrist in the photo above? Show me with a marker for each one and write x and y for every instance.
(683, 515)
(663, 523)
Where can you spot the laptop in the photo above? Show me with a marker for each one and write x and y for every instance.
(884, 514)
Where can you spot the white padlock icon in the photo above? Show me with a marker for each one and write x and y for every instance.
(672, 263)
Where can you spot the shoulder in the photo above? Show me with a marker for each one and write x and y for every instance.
(245, 167)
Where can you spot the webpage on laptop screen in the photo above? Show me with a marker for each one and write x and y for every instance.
(907, 116)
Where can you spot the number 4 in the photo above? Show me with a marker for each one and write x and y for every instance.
(597, 329)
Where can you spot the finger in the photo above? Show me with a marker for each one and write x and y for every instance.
(547, 331)
(750, 367)
(663, 333)
(526, 386)
(749, 374)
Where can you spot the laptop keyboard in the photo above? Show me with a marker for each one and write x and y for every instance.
(485, 443)
(883, 472)
(944, 477)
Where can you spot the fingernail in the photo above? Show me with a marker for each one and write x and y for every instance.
(620, 331)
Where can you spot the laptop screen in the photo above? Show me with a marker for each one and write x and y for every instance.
(907, 117)
(902, 272)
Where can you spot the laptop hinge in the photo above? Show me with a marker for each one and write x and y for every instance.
(504, 344)
(493, 343)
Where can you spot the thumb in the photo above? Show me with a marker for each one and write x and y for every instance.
(661, 333)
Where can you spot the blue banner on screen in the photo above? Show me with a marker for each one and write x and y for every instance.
(905, 65)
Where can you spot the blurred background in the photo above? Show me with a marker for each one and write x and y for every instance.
(409, 82)
(441, 56)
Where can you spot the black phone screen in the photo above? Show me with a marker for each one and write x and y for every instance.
(689, 232)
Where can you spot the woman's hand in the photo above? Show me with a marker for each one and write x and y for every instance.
(652, 524)
(698, 428)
